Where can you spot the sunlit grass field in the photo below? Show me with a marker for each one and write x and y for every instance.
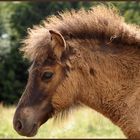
(83, 123)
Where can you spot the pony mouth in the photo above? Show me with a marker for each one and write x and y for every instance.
(33, 131)
(35, 128)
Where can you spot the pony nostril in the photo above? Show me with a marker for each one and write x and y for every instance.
(19, 125)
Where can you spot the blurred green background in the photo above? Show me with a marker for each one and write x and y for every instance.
(15, 18)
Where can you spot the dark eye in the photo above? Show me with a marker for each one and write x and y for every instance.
(47, 76)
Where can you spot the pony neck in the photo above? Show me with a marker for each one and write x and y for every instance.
(110, 73)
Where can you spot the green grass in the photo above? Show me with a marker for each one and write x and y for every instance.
(84, 123)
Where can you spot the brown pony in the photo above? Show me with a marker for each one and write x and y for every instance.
(82, 57)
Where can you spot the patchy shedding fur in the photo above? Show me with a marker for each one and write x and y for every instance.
(99, 66)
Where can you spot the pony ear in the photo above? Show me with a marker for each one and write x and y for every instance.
(58, 43)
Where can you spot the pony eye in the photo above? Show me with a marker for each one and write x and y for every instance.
(47, 76)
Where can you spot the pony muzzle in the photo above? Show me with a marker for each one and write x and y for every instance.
(25, 124)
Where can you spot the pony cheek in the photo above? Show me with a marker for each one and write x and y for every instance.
(61, 101)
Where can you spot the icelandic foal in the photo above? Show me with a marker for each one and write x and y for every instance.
(85, 57)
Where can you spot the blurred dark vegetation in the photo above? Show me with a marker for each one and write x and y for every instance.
(15, 18)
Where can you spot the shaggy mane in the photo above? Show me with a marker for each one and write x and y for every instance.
(99, 22)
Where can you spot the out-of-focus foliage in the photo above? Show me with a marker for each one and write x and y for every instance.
(131, 11)
(15, 18)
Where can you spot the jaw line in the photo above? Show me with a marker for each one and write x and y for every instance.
(45, 120)
(41, 123)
